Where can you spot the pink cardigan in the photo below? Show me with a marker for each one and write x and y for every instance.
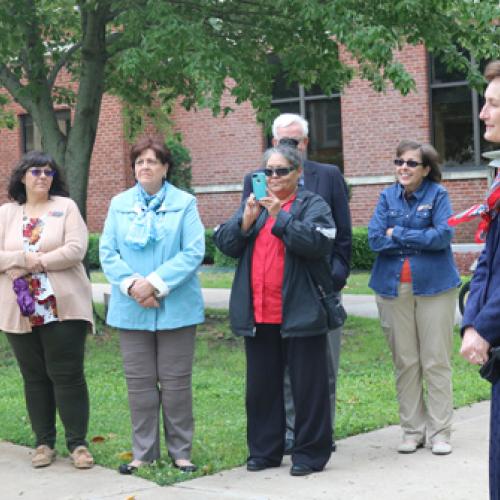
(64, 243)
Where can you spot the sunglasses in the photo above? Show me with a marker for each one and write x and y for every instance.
(288, 141)
(37, 172)
(279, 171)
(411, 163)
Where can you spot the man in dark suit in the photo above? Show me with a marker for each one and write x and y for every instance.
(327, 181)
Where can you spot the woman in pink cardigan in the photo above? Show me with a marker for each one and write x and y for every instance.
(46, 303)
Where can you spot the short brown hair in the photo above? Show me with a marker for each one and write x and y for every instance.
(161, 151)
(430, 157)
(492, 70)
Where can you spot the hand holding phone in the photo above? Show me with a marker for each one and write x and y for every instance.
(259, 186)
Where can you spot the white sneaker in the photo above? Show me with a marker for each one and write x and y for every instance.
(409, 446)
(441, 448)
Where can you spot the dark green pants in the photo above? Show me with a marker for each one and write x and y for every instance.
(51, 362)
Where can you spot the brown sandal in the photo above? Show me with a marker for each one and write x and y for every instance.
(43, 456)
(81, 458)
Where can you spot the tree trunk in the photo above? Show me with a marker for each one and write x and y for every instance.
(80, 143)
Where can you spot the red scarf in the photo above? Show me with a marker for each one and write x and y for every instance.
(487, 211)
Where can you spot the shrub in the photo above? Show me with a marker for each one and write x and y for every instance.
(93, 250)
(221, 260)
(362, 256)
(209, 247)
(92, 256)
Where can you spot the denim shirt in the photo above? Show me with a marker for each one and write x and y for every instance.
(420, 233)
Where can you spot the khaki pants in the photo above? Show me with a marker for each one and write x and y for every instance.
(419, 331)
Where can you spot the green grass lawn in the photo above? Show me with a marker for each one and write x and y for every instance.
(366, 395)
(214, 278)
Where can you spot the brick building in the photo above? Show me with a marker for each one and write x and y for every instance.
(357, 129)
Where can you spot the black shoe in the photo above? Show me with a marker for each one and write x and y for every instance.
(301, 470)
(185, 468)
(254, 465)
(289, 444)
(334, 447)
(126, 469)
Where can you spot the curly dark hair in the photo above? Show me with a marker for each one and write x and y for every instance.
(430, 157)
(162, 153)
(17, 190)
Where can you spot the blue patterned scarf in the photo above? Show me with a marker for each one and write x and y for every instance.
(146, 225)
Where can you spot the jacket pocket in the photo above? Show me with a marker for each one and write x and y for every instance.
(394, 217)
(423, 218)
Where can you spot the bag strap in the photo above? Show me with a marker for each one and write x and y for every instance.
(321, 276)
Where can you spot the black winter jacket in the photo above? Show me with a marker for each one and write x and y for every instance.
(308, 234)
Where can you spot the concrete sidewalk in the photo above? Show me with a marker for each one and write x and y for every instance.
(365, 467)
(218, 298)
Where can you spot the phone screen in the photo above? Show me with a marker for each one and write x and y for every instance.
(259, 185)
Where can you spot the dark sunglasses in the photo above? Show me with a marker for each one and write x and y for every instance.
(280, 171)
(37, 172)
(411, 163)
(288, 141)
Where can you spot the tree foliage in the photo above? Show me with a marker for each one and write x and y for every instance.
(147, 51)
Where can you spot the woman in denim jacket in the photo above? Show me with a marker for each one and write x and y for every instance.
(416, 281)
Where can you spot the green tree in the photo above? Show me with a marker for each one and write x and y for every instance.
(142, 50)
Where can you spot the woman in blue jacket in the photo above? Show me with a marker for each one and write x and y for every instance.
(416, 280)
(152, 244)
(481, 321)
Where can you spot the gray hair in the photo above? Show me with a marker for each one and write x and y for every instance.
(286, 119)
(292, 155)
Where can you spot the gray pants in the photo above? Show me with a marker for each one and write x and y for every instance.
(158, 367)
(333, 338)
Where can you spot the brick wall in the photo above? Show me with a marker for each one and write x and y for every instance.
(110, 172)
(223, 149)
(374, 123)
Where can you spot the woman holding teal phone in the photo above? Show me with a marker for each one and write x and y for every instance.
(278, 234)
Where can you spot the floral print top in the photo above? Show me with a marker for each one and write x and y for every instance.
(39, 284)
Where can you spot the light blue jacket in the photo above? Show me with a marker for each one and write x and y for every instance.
(170, 264)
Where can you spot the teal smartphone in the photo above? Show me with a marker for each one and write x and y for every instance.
(259, 185)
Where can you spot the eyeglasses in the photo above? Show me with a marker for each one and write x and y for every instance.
(37, 172)
(411, 163)
(149, 162)
(279, 171)
(289, 141)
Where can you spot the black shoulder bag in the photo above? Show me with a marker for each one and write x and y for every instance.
(491, 369)
(321, 276)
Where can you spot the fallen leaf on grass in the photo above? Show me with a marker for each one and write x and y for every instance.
(125, 455)
(98, 439)
(207, 469)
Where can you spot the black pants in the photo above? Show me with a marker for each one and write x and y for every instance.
(51, 362)
(267, 354)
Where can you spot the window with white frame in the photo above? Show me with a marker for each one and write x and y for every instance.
(321, 111)
(457, 132)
